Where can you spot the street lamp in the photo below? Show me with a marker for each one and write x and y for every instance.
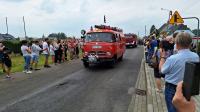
(170, 13)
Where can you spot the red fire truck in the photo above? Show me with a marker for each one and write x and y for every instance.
(131, 40)
(103, 44)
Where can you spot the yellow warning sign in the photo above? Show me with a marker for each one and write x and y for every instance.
(176, 18)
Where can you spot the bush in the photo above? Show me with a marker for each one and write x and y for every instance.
(13, 45)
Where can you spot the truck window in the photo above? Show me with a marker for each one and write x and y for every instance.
(120, 37)
(100, 37)
(117, 38)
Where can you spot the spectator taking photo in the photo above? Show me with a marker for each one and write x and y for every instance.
(174, 66)
(26, 52)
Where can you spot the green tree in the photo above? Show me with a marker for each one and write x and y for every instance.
(195, 32)
(153, 28)
(59, 35)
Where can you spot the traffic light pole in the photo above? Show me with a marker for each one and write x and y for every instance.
(197, 29)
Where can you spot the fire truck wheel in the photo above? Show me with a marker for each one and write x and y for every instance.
(86, 64)
(113, 63)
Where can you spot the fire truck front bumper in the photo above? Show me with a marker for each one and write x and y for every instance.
(96, 59)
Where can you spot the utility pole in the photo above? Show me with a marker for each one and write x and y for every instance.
(145, 31)
(24, 28)
(104, 19)
(138, 34)
(6, 25)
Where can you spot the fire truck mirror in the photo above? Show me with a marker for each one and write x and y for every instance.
(83, 37)
(83, 32)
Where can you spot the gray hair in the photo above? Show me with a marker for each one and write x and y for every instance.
(183, 39)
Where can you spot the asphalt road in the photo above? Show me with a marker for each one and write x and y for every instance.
(70, 87)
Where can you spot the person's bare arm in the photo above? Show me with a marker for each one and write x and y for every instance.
(1, 49)
(28, 50)
(162, 58)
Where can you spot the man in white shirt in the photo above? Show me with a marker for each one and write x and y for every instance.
(35, 54)
(46, 52)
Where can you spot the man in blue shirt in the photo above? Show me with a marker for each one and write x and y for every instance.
(174, 66)
(152, 47)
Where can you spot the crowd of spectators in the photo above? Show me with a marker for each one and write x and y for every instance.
(55, 49)
(167, 55)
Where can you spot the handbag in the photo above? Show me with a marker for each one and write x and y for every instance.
(154, 61)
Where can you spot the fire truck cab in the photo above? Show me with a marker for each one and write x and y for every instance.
(103, 44)
(131, 40)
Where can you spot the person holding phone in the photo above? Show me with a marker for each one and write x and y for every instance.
(26, 52)
(174, 66)
(180, 102)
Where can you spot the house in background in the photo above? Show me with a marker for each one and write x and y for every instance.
(6, 37)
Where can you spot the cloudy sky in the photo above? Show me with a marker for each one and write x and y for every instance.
(70, 16)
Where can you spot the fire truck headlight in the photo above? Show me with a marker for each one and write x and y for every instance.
(85, 53)
(108, 53)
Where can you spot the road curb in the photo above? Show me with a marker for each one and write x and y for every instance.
(138, 102)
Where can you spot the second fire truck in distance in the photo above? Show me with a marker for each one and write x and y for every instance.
(103, 44)
(131, 40)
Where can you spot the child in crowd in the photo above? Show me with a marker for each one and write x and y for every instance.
(26, 51)
(35, 54)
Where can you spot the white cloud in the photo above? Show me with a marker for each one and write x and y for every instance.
(70, 16)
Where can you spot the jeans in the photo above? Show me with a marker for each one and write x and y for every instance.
(169, 94)
(35, 58)
(149, 56)
(27, 60)
(146, 56)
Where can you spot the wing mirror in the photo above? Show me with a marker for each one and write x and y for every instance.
(83, 32)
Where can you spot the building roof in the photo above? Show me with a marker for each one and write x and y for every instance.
(187, 31)
(6, 37)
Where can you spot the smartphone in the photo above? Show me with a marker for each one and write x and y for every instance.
(191, 79)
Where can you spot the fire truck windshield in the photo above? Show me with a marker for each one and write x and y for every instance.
(100, 37)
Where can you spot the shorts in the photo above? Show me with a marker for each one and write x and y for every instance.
(7, 63)
(157, 73)
(1, 58)
(46, 56)
(35, 58)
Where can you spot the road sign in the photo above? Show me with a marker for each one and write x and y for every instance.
(176, 18)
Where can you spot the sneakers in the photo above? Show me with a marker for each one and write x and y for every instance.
(37, 69)
(159, 90)
(29, 72)
(47, 66)
(7, 76)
